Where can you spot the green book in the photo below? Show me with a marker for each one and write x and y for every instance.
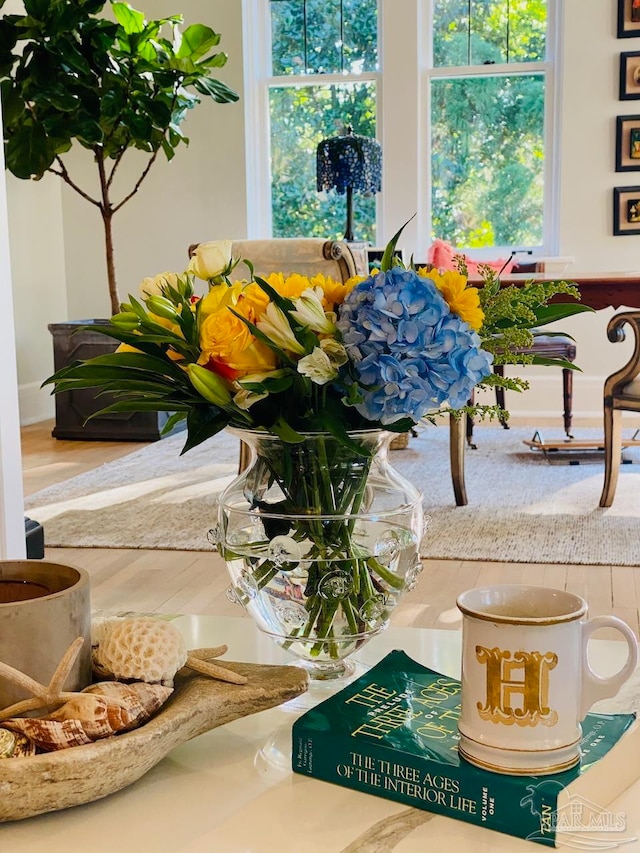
(393, 733)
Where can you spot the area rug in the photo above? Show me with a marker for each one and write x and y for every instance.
(522, 508)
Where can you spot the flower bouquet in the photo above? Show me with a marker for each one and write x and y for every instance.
(320, 535)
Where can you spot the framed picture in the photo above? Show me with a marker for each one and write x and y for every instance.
(628, 18)
(630, 76)
(628, 144)
(626, 210)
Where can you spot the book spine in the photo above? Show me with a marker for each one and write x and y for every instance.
(461, 792)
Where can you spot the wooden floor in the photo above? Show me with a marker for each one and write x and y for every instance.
(195, 582)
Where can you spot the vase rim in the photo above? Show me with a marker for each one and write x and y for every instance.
(264, 433)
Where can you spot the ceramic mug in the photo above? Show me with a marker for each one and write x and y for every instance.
(526, 679)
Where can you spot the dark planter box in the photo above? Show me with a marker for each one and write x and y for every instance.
(72, 343)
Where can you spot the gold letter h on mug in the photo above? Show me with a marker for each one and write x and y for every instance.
(532, 687)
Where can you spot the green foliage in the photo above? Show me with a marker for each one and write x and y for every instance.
(69, 75)
(301, 117)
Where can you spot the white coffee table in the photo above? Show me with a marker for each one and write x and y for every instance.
(218, 794)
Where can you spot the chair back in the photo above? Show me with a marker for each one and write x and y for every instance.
(305, 255)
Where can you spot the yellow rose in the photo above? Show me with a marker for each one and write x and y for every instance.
(252, 302)
(462, 300)
(228, 346)
(219, 297)
(211, 259)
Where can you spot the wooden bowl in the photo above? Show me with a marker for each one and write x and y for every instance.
(57, 780)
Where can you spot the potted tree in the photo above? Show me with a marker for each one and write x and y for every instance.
(69, 75)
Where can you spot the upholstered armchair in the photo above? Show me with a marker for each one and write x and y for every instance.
(621, 393)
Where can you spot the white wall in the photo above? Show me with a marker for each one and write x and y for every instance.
(201, 195)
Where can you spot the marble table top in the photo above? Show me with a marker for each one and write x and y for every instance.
(231, 790)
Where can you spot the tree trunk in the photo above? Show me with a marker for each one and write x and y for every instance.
(111, 268)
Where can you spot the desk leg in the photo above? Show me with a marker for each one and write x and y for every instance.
(456, 458)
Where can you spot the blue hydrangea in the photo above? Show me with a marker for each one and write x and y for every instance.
(410, 352)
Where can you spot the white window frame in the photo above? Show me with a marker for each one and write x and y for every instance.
(403, 84)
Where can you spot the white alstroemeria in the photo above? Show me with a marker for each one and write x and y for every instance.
(335, 351)
(244, 398)
(309, 311)
(155, 285)
(274, 324)
(318, 367)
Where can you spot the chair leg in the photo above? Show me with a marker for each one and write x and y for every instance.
(498, 369)
(612, 451)
(456, 459)
(567, 398)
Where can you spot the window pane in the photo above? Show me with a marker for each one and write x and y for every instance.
(360, 33)
(324, 36)
(488, 160)
(288, 37)
(301, 117)
(483, 32)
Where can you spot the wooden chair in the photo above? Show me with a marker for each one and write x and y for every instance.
(621, 393)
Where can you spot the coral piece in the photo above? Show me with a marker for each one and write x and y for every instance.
(141, 649)
(152, 650)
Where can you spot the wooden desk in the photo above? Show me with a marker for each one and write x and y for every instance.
(599, 290)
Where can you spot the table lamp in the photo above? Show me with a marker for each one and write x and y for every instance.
(349, 163)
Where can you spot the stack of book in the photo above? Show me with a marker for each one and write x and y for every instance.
(393, 733)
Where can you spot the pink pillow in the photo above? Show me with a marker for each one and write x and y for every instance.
(441, 255)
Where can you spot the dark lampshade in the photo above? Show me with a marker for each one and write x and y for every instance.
(349, 163)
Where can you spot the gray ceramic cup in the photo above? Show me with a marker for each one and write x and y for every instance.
(44, 607)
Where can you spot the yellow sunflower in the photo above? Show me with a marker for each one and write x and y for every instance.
(462, 299)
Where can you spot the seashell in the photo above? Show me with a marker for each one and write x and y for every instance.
(139, 700)
(15, 745)
(141, 649)
(50, 735)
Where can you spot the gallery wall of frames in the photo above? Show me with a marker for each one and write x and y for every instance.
(626, 200)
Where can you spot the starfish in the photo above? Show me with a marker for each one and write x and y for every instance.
(198, 661)
(44, 696)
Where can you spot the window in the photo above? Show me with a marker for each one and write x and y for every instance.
(323, 77)
(488, 90)
(460, 95)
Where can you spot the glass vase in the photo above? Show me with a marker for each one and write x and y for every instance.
(321, 539)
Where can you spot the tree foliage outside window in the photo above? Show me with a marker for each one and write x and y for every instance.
(487, 132)
(314, 37)
(301, 116)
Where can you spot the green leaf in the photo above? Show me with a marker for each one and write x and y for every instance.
(129, 19)
(282, 429)
(172, 422)
(387, 258)
(202, 423)
(216, 90)
(29, 151)
(558, 311)
(197, 40)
